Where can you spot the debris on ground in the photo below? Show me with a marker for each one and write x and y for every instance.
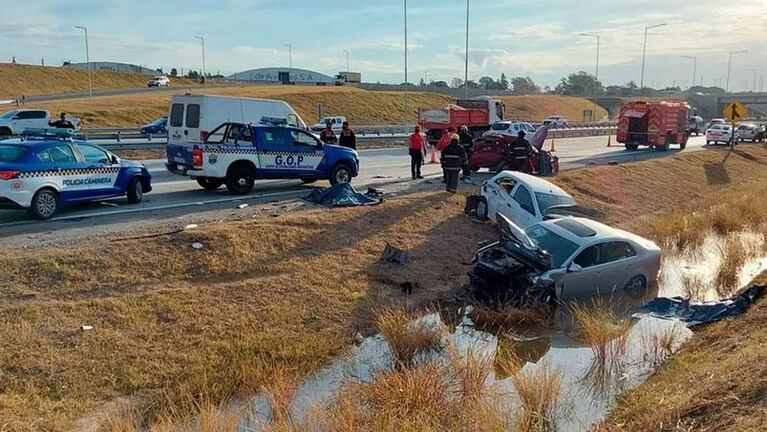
(693, 314)
(197, 245)
(341, 195)
(85, 327)
(407, 287)
(375, 192)
(242, 206)
(394, 255)
(190, 227)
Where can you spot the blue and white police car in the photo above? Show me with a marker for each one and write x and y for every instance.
(43, 171)
(237, 154)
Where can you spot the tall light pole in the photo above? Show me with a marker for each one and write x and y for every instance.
(729, 66)
(754, 72)
(87, 60)
(761, 83)
(644, 51)
(596, 86)
(466, 66)
(347, 60)
(406, 108)
(694, 69)
(202, 45)
(290, 55)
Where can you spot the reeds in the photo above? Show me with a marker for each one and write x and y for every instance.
(540, 397)
(406, 337)
(733, 257)
(657, 347)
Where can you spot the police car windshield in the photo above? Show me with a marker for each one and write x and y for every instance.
(11, 153)
(8, 114)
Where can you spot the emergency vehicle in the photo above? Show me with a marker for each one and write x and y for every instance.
(653, 124)
(45, 170)
(237, 154)
(477, 114)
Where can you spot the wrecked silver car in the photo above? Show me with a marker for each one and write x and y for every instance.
(563, 259)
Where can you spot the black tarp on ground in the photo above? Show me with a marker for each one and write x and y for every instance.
(692, 314)
(341, 195)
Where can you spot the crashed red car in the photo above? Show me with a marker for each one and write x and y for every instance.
(495, 153)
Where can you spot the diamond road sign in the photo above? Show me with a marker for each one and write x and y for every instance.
(734, 111)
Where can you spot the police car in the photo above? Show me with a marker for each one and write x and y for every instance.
(43, 171)
(236, 154)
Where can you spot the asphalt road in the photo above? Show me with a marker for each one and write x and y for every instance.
(175, 196)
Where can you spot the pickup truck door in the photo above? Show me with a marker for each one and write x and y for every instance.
(29, 119)
(288, 153)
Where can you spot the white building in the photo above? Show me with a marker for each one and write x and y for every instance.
(283, 76)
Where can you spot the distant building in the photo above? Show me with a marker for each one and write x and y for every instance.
(283, 76)
(114, 67)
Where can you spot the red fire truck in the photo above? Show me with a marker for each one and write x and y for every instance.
(477, 114)
(653, 124)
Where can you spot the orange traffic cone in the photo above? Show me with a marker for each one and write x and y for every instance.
(609, 141)
(433, 155)
(553, 146)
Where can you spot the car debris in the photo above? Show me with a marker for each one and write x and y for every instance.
(394, 255)
(242, 206)
(86, 327)
(197, 245)
(190, 227)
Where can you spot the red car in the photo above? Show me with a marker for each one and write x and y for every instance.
(495, 153)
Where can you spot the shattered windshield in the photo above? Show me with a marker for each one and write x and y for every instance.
(558, 248)
(546, 201)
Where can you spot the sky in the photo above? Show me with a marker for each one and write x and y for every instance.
(539, 39)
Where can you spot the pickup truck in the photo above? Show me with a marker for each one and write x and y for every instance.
(336, 123)
(14, 122)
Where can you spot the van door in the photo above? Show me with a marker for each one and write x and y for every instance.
(176, 123)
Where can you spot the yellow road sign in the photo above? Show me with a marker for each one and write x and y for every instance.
(734, 111)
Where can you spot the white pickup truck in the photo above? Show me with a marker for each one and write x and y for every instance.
(336, 122)
(15, 121)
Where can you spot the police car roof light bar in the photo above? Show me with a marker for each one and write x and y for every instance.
(274, 121)
(48, 133)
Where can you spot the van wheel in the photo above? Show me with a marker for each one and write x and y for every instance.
(210, 183)
(341, 174)
(240, 180)
(135, 190)
(45, 204)
(482, 210)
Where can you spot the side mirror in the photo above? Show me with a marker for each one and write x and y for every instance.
(114, 159)
(574, 268)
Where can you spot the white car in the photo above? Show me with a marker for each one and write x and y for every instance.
(510, 128)
(14, 122)
(521, 197)
(159, 81)
(555, 121)
(336, 123)
(720, 133)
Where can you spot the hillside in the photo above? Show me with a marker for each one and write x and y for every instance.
(538, 107)
(17, 80)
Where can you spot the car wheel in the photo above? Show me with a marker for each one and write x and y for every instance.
(683, 145)
(308, 180)
(135, 190)
(500, 166)
(708, 142)
(5, 131)
(341, 174)
(482, 210)
(210, 183)
(240, 180)
(45, 204)
(661, 147)
(636, 287)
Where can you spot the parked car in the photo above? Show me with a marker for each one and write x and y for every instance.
(14, 122)
(564, 259)
(522, 198)
(555, 122)
(510, 128)
(336, 123)
(158, 81)
(45, 172)
(720, 133)
(751, 132)
(157, 127)
(696, 125)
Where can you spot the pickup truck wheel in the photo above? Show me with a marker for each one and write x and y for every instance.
(309, 180)
(482, 210)
(341, 174)
(240, 180)
(135, 190)
(210, 183)
(45, 204)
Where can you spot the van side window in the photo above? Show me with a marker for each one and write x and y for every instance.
(177, 115)
(193, 116)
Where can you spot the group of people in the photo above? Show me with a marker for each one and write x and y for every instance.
(345, 139)
(455, 149)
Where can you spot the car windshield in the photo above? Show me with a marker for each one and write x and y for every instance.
(545, 200)
(558, 248)
(500, 126)
(11, 153)
(159, 121)
(8, 114)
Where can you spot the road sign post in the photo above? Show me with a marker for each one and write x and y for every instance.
(734, 111)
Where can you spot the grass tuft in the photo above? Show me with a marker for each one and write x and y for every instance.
(406, 337)
(540, 396)
(733, 257)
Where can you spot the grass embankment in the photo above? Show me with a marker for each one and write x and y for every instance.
(17, 80)
(538, 107)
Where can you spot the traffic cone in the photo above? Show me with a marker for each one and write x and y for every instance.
(553, 146)
(433, 155)
(609, 141)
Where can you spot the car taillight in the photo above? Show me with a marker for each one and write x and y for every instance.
(203, 136)
(7, 175)
(197, 157)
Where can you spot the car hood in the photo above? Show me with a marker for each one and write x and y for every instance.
(131, 164)
(340, 149)
(515, 241)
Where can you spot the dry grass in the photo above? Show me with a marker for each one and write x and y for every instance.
(605, 333)
(508, 318)
(694, 287)
(407, 336)
(540, 395)
(280, 392)
(657, 347)
(733, 257)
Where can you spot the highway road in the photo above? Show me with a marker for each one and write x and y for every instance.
(175, 196)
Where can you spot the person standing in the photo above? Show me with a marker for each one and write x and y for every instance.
(453, 159)
(521, 152)
(417, 151)
(347, 137)
(327, 135)
(444, 140)
(467, 142)
(62, 122)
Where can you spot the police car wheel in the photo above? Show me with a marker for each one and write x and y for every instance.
(309, 180)
(341, 174)
(240, 181)
(135, 191)
(210, 183)
(45, 203)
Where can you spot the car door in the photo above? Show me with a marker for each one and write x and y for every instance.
(288, 153)
(62, 168)
(617, 260)
(99, 172)
(521, 207)
(582, 280)
(498, 194)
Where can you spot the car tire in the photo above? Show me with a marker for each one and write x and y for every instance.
(683, 145)
(240, 180)
(661, 147)
(474, 168)
(341, 174)
(210, 183)
(4, 131)
(135, 190)
(636, 287)
(500, 166)
(45, 204)
(308, 180)
(482, 209)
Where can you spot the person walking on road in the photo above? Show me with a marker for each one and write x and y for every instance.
(347, 137)
(327, 135)
(453, 159)
(417, 152)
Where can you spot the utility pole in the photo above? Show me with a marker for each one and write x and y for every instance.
(466, 66)
(407, 115)
(87, 61)
(290, 55)
(694, 69)
(729, 66)
(644, 51)
(202, 44)
(761, 83)
(754, 72)
(596, 86)
(347, 60)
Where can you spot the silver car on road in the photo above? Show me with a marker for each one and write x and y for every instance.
(564, 259)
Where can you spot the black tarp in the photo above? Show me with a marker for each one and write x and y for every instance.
(341, 195)
(692, 314)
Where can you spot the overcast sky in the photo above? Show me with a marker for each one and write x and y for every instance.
(535, 38)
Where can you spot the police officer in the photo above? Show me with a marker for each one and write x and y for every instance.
(467, 142)
(453, 159)
(62, 122)
(347, 138)
(521, 152)
(327, 135)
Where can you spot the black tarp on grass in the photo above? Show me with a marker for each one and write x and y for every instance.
(341, 195)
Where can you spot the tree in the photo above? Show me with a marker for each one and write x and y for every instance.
(422, 83)
(173, 72)
(441, 84)
(488, 83)
(193, 74)
(580, 84)
(456, 83)
(503, 82)
(524, 85)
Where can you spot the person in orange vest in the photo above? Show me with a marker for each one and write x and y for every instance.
(327, 135)
(417, 152)
(444, 140)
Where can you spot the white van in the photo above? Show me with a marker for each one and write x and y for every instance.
(192, 117)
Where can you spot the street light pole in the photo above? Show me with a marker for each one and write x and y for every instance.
(347, 60)
(290, 55)
(761, 83)
(754, 72)
(694, 69)
(596, 86)
(202, 45)
(644, 51)
(466, 66)
(729, 66)
(407, 116)
(87, 60)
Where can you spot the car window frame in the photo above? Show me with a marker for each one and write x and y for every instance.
(63, 145)
(181, 116)
(508, 178)
(196, 117)
(584, 249)
(532, 211)
(603, 249)
(78, 147)
(299, 132)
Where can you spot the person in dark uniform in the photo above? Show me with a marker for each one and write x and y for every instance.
(347, 137)
(453, 160)
(327, 135)
(521, 152)
(467, 142)
(62, 122)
